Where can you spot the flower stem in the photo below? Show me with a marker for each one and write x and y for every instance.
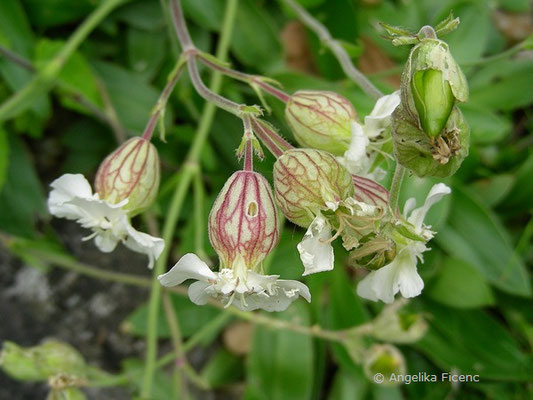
(45, 79)
(336, 48)
(189, 169)
(163, 99)
(271, 139)
(396, 185)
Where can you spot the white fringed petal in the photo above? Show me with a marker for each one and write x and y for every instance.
(380, 117)
(315, 249)
(436, 193)
(188, 267)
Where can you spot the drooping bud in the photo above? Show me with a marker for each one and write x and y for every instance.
(307, 182)
(40, 362)
(396, 324)
(130, 172)
(381, 362)
(427, 156)
(243, 223)
(321, 120)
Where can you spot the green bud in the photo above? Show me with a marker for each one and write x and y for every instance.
(425, 155)
(381, 361)
(321, 120)
(395, 324)
(433, 99)
(130, 172)
(306, 181)
(40, 362)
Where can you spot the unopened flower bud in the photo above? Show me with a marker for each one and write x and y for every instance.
(321, 120)
(307, 182)
(395, 324)
(130, 172)
(40, 362)
(428, 156)
(243, 223)
(381, 362)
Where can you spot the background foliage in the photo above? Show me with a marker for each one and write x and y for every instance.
(478, 292)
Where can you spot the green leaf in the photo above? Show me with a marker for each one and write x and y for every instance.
(280, 365)
(132, 98)
(473, 342)
(349, 384)
(47, 13)
(145, 15)
(460, 285)
(473, 234)
(486, 126)
(519, 198)
(75, 77)
(494, 189)
(206, 13)
(503, 85)
(4, 157)
(222, 368)
(22, 196)
(146, 51)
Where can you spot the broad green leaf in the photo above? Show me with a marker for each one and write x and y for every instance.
(16, 35)
(206, 13)
(4, 157)
(349, 384)
(132, 98)
(146, 51)
(469, 41)
(519, 198)
(503, 85)
(162, 388)
(47, 13)
(473, 342)
(494, 189)
(21, 199)
(280, 365)
(75, 77)
(255, 38)
(222, 368)
(145, 15)
(474, 234)
(460, 285)
(486, 126)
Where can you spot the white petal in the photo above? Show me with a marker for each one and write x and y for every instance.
(188, 267)
(295, 286)
(436, 193)
(95, 213)
(106, 241)
(315, 251)
(141, 242)
(379, 285)
(64, 189)
(380, 117)
(355, 158)
(409, 282)
(286, 292)
(197, 292)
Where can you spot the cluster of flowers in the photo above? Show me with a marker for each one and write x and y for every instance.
(329, 187)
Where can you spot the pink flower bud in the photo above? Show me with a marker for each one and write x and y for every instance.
(308, 181)
(321, 120)
(243, 223)
(130, 172)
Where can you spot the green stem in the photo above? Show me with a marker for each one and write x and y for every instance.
(336, 48)
(44, 80)
(190, 168)
(396, 185)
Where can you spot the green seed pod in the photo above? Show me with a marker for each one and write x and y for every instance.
(130, 172)
(425, 155)
(307, 182)
(321, 120)
(432, 82)
(40, 362)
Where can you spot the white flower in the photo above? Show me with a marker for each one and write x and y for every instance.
(356, 158)
(401, 274)
(316, 251)
(72, 198)
(245, 289)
